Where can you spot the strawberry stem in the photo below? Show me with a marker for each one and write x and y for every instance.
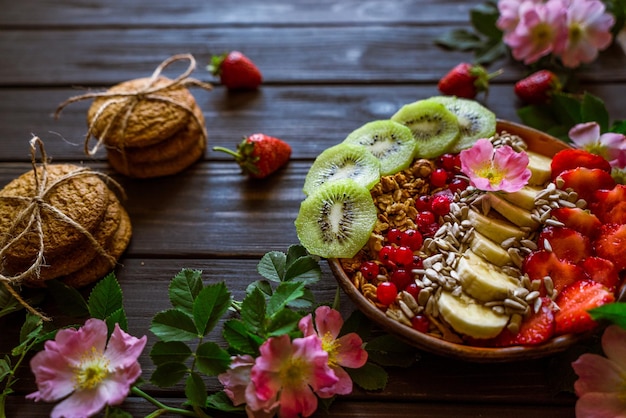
(235, 154)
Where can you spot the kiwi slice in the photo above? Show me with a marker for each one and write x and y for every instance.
(433, 126)
(475, 120)
(343, 161)
(336, 220)
(391, 142)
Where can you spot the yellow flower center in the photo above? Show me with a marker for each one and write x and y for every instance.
(92, 370)
(541, 34)
(575, 33)
(331, 346)
(597, 148)
(293, 372)
(491, 173)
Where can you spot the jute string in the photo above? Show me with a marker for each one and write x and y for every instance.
(129, 100)
(31, 217)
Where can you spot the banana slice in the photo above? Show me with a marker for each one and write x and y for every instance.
(493, 228)
(524, 198)
(489, 250)
(467, 316)
(540, 169)
(517, 215)
(481, 280)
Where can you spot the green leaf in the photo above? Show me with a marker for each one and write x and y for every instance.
(459, 40)
(284, 293)
(8, 303)
(253, 310)
(184, 288)
(211, 359)
(173, 325)
(117, 317)
(567, 108)
(483, 18)
(594, 110)
(369, 377)
(115, 412)
(619, 126)
(387, 350)
(222, 402)
(31, 328)
(272, 266)
(305, 302)
(490, 52)
(613, 312)
(168, 374)
(284, 322)
(538, 117)
(171, 351)
(239, 338)
(195, 390)
(105, 298)
(5, 367)
(357, 322)
(294, 252)
(263, 285)
(209, 306)
(69, 300)
(304, 269)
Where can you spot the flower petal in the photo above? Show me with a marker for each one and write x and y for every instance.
(584, 133)
(600, 405)
(81, 404)
(328, 321)
(53, 375)
(596, 374)
(614, 345)
(296, 402)
(123, 349)
(342, 387)
(350, 352)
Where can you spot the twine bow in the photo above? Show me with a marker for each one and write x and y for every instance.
(31, 216)
(129, 100)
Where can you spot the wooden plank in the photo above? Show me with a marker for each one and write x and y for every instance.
(348, 55)
(36, 13)
(310, 118)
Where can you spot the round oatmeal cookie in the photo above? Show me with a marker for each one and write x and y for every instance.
(79, 195)
(154, 116)
(100, 266)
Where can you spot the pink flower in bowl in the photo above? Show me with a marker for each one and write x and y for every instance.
(611, 145)
(500, 169)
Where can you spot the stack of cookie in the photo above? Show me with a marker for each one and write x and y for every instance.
(63, 223)
(151, 127)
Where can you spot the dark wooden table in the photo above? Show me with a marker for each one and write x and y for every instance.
(328, 66)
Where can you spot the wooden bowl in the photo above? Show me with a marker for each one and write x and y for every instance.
(539, 142)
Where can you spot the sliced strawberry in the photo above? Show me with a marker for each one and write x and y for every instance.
(610, 204)
(574, 302)
(611, 244)
(565, 243)
(571, 158)
(602, 271)
(585, 181)
(542, 263)
(535, 329)
(578, 219)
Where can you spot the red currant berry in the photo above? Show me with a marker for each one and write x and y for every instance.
(412, 239)
(402, 278)
(420, 323)
(402, 256)
(385, 255)
(441, 205)
(429, 231)
(369, 270)
(424, 203)
(424, 219)
(394, 236)
(458, 184)
(417, 263)
(386, 293)
(450, 162)
(413, 289)
(439, 177)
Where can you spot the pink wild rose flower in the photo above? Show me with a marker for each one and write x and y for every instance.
(589, 31)
(499, 169)
(290, 373)
(79, 367)
(508, 13)
(540, 30)
(601, 380)
(346, 351)
(611, 146)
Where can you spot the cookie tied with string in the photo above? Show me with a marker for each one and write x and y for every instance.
(151, 127)
(60, 221)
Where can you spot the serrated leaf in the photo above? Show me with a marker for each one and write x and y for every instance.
(294, 252)
(117, 317)
(272, 266)
(239, 338)
(613, 312)
(253, 310)
(173, 325)
(284, 322)
(222, 402)
(184, 288)
(594, 110)
(483, 18)
(171, 351)
(369, 377)
(5, 367)
(567, 109)
(8, 303)
(490, 52)
(304, 269)
(195, 390)
(284, 293)
(31, 328)
(69, 300)
(105, 298)
(168, 374)
(263, 285)
(211, 359)
(459, 40)
(115, 412)
(304, 302)
(357, 322)
(209, 306)
(387, 350)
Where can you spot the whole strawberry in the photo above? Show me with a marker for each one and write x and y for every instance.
(538, 87)
(259, 155)
(466, 80)
(236, 71)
